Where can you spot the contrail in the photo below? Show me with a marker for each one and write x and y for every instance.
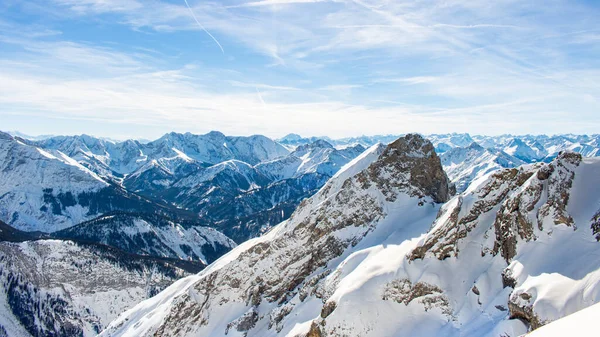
(204, 29)
(260, 97)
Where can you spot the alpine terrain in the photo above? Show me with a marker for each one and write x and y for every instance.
(384, 248)
(301, 236)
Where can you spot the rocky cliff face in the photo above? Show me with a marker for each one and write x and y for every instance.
(63, 289)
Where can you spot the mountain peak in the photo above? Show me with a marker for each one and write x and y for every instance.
(291, 137)
(5, 136)
(320, 143)
(411, 164)
(476, 146)
(215, 134)
(317, 144)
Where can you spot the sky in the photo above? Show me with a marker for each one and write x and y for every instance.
(141, 68)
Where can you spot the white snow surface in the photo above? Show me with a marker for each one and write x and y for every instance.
(580, 324)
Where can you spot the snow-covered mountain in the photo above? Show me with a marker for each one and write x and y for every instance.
(526, 147)
(465, 164)
(255, 288)
(119, 158)
(316, 157)
(152, 235)
(244, 200)
(38, 188)
(292, 140)
(63, 289)
(376, 253)
(48, 191)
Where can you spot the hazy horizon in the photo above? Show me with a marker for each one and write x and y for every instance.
(40, 136)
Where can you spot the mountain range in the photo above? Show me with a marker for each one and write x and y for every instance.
(384, 248)
(289, 235)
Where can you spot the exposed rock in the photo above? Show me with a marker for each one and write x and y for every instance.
(328, 308)
(277, 315)
(524, 313)
(404, 291)
(244, 323)
(515, 194)
(450, 232)
(410, 164)
(559, 184)
(500, 307)
(314, 331)
(507, 279)
(596, 225)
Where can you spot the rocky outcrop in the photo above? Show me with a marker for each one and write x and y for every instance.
(409, 164)
(520, 307)
(514, 196)
(429, 295)
(596, 225)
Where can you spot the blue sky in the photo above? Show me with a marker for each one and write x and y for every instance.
(141, 68)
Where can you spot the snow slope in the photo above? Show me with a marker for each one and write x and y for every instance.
(580, 324)
(317, 157)
(373, 254)
(31, 178)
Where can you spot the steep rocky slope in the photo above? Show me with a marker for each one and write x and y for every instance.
(374, 253)
(152, 235)
(64, 289)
